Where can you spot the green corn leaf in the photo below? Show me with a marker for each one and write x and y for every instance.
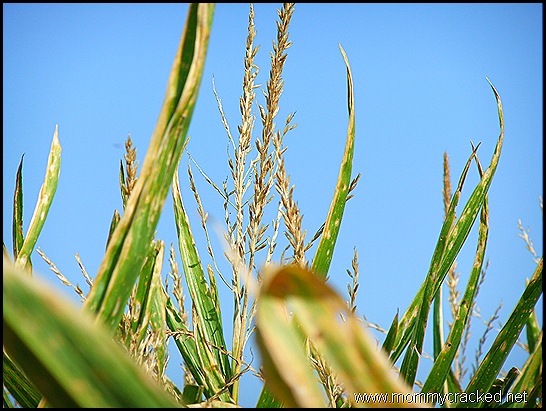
(534, 398)
(451, 240)
(408, 370)
(530, 375)
(45, 198)
(71, 359)
(207, 353)
(532, 330)
(407, 322)
(267, 399)
(214, 291)
(444, 359)
(192, 393)
(157, 308)
(491, 364)
(186, 345)
(391, 335)
(7, 399)
(140, 316)
(451, 384)
(438, 323)
(19, 386)
(113, 225)
(296, 304)
(122, 184)
(150, 303)
(208, 318)
(185, 342)
(129, 243)
(500, 388)
(18, 236)
(325, 249)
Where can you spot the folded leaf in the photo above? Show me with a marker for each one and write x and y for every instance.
(296, 304)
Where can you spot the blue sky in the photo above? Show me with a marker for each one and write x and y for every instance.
(99, 71)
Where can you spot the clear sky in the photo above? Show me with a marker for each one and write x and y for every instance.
(99, 71)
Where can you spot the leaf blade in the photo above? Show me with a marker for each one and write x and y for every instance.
(127, 248)
(325, 249)
(45, 198)
(18, 235)
(207, 315)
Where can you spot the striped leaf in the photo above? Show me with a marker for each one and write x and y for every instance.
(186, 345)
(127, 248)
(149, 305)
(207, 316)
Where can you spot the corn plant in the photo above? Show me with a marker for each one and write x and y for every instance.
(315, 349)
